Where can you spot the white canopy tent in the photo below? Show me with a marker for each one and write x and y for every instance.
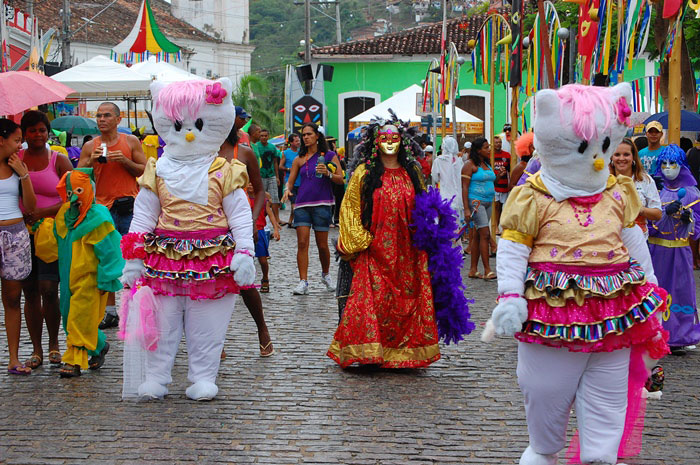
(404, 105)
(101, 77)
(162, 71)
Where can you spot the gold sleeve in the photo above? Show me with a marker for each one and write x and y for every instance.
(519, 218)
(353, 237)
(633, 204)
(236, 177)
(148, 178)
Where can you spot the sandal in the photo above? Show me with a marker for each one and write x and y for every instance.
(69, 371)
(22, 370)
(34, 362)
(96, 361)
(476, 275)
(54, 357)
(264, 349)
(265, 286)
(223, 354)
(491, 275)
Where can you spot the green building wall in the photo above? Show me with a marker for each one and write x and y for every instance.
(388, 77)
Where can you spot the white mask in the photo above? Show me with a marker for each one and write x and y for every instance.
(670, 170)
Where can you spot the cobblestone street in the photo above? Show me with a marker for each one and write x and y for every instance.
(299, 407)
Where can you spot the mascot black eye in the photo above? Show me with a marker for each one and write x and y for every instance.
(199, 124)
(606, 144)
(178, 125)
(582, 148)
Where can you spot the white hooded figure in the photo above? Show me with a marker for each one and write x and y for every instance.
(446, 173)
(575, 280)
(190, 241)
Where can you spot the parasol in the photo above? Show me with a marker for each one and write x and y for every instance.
(21, 90)
(75, 125)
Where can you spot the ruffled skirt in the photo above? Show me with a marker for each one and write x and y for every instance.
(193, 264)
(593, 309)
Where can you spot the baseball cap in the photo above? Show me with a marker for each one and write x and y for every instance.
(506, 127)
(654, 125)
(429, 148)
(241, 113)
(467, 145)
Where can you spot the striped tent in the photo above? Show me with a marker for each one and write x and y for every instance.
(145, 40)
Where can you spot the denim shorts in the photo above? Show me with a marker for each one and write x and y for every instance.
(319, 217)
(481, 213)
(121, 222)
(262, 243)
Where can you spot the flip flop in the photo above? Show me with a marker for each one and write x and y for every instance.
(69, 371)
(265, 286)
(490, 276)
(476, 275)
(34, 362)
(19, 370)
(96, 361)
(264, 348)
(54, 357)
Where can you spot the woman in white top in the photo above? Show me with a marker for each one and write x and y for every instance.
(15, 250)
(625, 161)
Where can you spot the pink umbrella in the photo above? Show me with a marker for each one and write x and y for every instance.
(21, 90)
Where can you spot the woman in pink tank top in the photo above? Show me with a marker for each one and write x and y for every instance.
(41, 287)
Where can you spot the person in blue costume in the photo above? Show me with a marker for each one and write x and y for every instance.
(670, 249)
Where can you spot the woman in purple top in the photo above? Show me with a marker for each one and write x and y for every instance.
(314, 201)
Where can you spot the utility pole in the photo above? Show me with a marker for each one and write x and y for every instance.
(307, 37)
(65, 36)
(338, 36)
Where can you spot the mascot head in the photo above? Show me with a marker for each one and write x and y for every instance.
(78, 188)
(672, 166)
(577, 129)
(192, 117)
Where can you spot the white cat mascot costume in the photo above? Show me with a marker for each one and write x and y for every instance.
(191, 239)
(575, 282)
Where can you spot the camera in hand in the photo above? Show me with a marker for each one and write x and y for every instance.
(103, 158)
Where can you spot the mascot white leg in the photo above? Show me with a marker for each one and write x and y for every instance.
(205, 329)
(159, 363)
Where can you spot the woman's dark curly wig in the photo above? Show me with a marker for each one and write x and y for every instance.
(368, 152)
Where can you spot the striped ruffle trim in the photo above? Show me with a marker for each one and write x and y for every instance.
(186, 275)
(593, 332)
(187, 246)
(553, 282)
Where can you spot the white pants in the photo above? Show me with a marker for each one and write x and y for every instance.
(553, 379)
(204, 322)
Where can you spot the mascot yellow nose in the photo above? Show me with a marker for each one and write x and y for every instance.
(598, 165)
(189, 137)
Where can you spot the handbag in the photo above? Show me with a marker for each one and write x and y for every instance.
(123, 206)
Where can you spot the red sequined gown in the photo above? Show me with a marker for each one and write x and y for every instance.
(389, 318)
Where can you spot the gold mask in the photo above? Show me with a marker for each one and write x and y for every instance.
(389, 140)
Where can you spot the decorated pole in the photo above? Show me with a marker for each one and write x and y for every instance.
(544, 43)
(492, 72)
(443, 84)
(516, 63)
(674, 87)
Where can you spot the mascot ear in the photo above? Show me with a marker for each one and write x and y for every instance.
(226, 84)
(546, 102)
(623, 90)
(156, 87)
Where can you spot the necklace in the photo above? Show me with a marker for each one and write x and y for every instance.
(584, 206)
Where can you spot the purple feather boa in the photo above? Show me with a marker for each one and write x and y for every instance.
(435, 224)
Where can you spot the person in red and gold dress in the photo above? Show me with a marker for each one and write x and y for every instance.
(389, 318)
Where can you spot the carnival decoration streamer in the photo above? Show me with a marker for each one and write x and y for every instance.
(645, 92)
(145, 40)
(536, 69)
(483, 52)
(431, 89)
(516, 49)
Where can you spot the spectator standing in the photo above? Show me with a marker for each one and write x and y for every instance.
(314, 204)
(288, 157)
(477, 195)
(339, 189)
(242, 117)
(15, 188)
(524, 148)
(465, 151)
(115, 178)
(269, 157)
(40, 288)
(506, 140)
(694, 160)
(501, 166)
(654, 133)
(233, 149)
(426, 163)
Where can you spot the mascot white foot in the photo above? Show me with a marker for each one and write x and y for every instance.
(576, 283)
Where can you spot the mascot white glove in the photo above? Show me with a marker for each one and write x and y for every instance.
(511, 312)
(243, 268)
(133, 269)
